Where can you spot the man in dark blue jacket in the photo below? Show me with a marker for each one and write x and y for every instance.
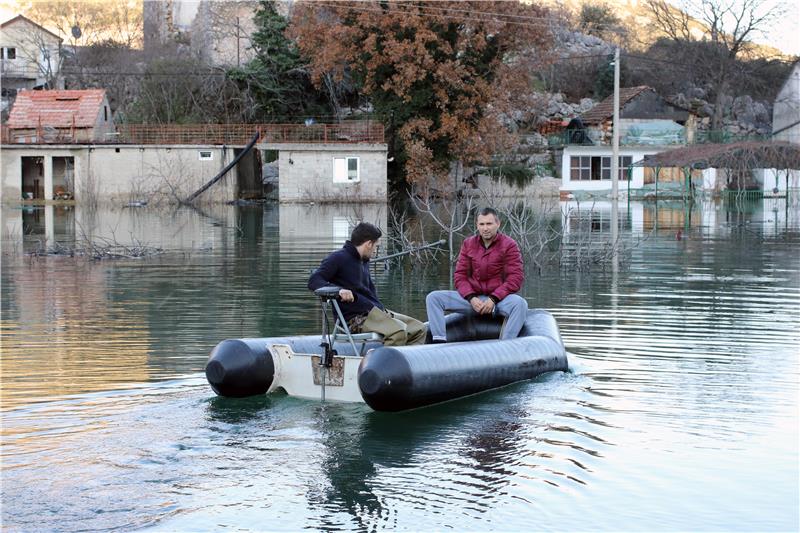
(348, 268)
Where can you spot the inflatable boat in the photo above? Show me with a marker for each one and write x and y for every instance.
(342, 366)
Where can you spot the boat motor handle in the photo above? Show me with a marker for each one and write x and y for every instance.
(329, 292)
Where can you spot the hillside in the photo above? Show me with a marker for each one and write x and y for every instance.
(638, 22)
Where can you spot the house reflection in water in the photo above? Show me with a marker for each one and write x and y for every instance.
(710, 216)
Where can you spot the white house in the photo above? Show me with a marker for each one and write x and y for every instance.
(31, 56)
(786, 110)
(648, 125)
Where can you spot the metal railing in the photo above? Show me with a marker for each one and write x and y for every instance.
(356, 132)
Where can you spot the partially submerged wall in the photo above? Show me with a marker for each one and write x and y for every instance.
(124, 173)
(308, 172)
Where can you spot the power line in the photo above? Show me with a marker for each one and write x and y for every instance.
(422, 11)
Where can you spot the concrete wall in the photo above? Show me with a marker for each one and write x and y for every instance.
(162, 174)
(774, 181)
(124, 173)
(306, 173)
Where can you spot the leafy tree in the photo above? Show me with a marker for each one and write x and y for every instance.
(279, 85)
(444, 76)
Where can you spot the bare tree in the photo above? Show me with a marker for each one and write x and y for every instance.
(87, 22)
(711, 36)
(450, 213)
(45, 55)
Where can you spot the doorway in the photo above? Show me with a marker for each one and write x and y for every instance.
(63, 178)
(32, 178)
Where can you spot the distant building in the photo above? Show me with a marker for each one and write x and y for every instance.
(648, 125)
(786, 111)
(168, 163)
(60, 116)
(31, 57)
(217, 32)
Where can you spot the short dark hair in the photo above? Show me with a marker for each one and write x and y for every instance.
(488, 211)
(363, 232)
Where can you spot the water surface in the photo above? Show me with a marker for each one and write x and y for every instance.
(680, 411)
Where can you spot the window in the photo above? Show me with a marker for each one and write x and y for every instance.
(580, 168)
(105, 113)
(346, 170)
(9, 53)
(585, 168)
(205, 155)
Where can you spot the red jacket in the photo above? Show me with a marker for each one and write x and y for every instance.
(494, 271)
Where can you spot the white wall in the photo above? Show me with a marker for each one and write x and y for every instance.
(29, 41)
(786, 111)
(125, 173)
(771, 178)
(157, 174)
(306, 173)
(637, 179)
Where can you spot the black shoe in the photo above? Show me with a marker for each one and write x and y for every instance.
(438, 341)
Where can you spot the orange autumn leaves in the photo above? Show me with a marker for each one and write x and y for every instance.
(448, 73)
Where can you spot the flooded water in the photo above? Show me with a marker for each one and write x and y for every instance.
(680, 410)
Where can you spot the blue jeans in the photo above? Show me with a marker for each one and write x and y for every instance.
(513, 307)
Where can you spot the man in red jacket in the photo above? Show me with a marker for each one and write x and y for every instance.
(488, 274)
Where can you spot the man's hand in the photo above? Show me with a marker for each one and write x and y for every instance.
(482, 307)
(346, 295)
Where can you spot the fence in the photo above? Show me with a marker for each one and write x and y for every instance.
(214, 134)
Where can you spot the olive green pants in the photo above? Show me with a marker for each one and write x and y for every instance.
(397, 329)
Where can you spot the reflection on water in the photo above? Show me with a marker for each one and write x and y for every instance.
(682, 395)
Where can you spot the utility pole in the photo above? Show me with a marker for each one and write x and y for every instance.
(615, 133)
(615, 178)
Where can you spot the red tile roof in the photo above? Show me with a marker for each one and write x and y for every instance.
(58, 109)
(605, 109)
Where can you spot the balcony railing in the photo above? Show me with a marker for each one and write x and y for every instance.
(360, 132)
(18, 68)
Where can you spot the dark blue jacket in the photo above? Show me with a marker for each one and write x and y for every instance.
(345, 268)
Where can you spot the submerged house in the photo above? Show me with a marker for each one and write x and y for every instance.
(60, 156)
(648, 125)
(53, 117)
